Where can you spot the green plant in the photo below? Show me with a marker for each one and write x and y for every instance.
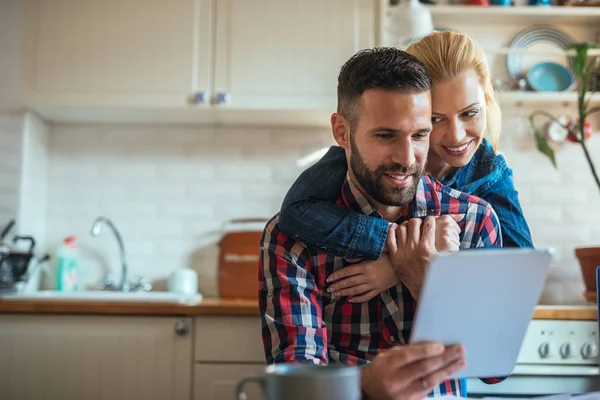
(585, 68)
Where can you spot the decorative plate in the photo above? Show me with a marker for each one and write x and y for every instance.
(538, 38)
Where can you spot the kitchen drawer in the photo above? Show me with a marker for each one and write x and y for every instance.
(228, 339)
(219, 381)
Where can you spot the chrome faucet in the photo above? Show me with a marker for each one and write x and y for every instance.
(109, 282)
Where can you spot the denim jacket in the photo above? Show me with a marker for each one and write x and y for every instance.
(309, 214)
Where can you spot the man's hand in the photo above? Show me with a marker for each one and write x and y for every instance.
(364, 280)
(410, 372)
(447, 233)
(411, 245)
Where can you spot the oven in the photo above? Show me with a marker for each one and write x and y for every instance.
(557, 356)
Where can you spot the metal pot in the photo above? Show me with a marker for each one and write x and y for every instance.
(19, 260)
(15, 263)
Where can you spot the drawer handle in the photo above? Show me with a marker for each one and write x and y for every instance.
(222, 98)
(182, 328)
(197, 98)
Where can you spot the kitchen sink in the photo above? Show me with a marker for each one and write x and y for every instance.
(107, 295)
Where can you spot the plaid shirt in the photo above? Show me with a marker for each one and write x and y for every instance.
(302, 322)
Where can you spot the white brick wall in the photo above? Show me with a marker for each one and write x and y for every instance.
(562, 205)
(169, 190)
(11, 127)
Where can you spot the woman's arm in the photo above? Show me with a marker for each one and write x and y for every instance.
(309, 212)
(505, 200)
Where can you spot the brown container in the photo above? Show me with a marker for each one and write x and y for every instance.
(238, 259)
(589, 260)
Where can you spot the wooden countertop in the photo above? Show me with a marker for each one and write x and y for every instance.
(578, 313)
(209, 306)
(216, 306)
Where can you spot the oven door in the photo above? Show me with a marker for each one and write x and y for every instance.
(529, 380)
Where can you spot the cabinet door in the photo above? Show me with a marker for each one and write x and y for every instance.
(94, 357)
(116, 53)
(219, 381)
(228, 339)
(287, 54)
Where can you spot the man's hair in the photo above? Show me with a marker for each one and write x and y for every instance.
(385, 68)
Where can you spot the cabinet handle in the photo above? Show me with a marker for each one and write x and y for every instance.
(198, 98)
(182, 328)
(222, 97)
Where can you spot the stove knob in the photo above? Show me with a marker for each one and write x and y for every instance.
(589, 350)
(566, 350)
(544, 350)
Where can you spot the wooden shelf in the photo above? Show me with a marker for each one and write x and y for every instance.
(508, 50)
(530, 14)
(540, 97)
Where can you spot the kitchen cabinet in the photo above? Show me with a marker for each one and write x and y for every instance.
(95, 357)
(226, 350)
(228, 339)
(219, 382)
(116, 53)
(287, 54)
(177, 56)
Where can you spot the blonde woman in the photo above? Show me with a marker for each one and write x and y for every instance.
(462, 155)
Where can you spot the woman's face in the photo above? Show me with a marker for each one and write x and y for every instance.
(458, 117)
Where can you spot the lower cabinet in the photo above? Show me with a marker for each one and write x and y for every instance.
(63, 357)
(96, 357)
(219, 381)
(226, 350)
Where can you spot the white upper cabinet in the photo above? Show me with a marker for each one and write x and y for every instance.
(286, 54)
(109, 59)
(115, 52)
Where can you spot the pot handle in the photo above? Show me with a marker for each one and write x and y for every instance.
(7, 229)
(41, 263)
(241, 395)
(29, 239)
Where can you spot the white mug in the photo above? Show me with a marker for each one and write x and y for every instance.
(184, 281)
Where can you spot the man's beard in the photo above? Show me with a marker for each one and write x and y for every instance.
(371, 181)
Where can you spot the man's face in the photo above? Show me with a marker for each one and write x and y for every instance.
(389, 145)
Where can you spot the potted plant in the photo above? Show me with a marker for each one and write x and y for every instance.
(585, 71)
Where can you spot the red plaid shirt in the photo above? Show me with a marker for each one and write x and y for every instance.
(302, 322)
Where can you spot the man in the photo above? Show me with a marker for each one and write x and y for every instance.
(383, 123)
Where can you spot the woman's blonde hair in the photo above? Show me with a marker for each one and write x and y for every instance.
(447, 54)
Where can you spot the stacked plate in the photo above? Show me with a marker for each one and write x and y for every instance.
(538, 38)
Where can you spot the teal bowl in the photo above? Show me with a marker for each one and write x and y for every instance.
(549, 77)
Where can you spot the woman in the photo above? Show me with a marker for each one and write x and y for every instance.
(466, 128)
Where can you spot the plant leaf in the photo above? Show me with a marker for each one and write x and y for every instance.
(582, 68)
(588, 102)
(542, 144)
(544, 147)
(581, 50)
(590, 67)
(592, 111)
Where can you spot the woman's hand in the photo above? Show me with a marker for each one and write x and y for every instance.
(364, 280)
(447, 233)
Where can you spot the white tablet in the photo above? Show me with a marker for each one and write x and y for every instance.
(483, 299)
